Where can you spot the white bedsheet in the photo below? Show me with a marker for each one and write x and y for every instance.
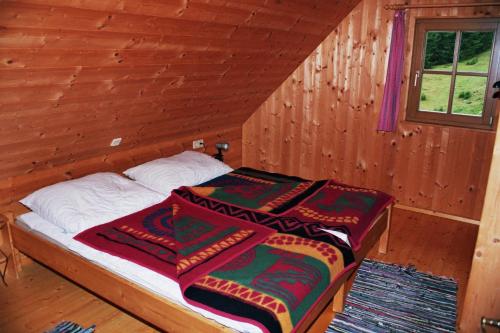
(144, 277)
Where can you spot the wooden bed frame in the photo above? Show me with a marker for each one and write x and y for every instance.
(152, 308)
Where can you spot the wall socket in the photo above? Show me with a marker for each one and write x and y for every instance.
(115, 142)
(197, 144)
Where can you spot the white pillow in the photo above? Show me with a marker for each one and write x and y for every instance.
(79, 204)
(188, 168)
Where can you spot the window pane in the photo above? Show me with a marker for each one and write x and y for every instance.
(435, 93)
(439, 50)
(468, 98)
(475, 51)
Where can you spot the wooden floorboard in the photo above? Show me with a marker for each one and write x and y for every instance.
(41, 298)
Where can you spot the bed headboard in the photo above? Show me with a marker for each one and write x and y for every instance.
(16, 187)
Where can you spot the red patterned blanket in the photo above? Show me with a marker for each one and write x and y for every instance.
(176, 238)
(248, 245)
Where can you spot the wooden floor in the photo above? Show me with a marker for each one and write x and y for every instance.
(41, 298)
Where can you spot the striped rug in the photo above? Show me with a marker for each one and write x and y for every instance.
(391, 298)
(70, 327)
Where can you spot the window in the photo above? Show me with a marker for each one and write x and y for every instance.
(455, 64)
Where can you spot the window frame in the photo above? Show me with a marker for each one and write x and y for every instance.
(422, 26)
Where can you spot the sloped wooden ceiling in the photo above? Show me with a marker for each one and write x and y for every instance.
(321, 122)
(76, 73)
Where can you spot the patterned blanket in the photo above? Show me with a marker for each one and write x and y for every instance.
(294, 203)
(249, 245)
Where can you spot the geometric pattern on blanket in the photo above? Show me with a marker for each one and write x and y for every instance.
(175, 238)
(283, 224)
(316, 205)
(273, 285)
(249, 244)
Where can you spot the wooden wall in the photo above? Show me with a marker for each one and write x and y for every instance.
(16, 187)
(76, 73)
(321, 122)
(482, 298)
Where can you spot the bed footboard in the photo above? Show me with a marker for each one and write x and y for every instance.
(379, 232)
(339, 299)
(384, 239)
(136, 300)
(150, 307)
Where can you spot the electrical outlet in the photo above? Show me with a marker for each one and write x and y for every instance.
(115, 142)
(197, 144)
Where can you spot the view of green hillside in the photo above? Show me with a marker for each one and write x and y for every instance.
(469, 90)
(474, 56)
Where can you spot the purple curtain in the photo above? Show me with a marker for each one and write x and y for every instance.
(392, 91)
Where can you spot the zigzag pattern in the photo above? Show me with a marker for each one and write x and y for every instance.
(274, 305)
(295, 226)
(223, 208)
(243, 292)
(289, 225)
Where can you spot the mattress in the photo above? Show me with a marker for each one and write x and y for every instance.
(139, 275)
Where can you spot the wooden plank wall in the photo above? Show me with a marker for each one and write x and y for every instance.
(16, 187)
(76, 73)
(322, 122)
(482, 298)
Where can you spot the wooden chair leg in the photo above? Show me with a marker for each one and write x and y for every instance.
(16, 262)
(16, 258)
(384, 239)
(338, 300)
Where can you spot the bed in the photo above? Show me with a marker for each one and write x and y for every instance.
(151, 306)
